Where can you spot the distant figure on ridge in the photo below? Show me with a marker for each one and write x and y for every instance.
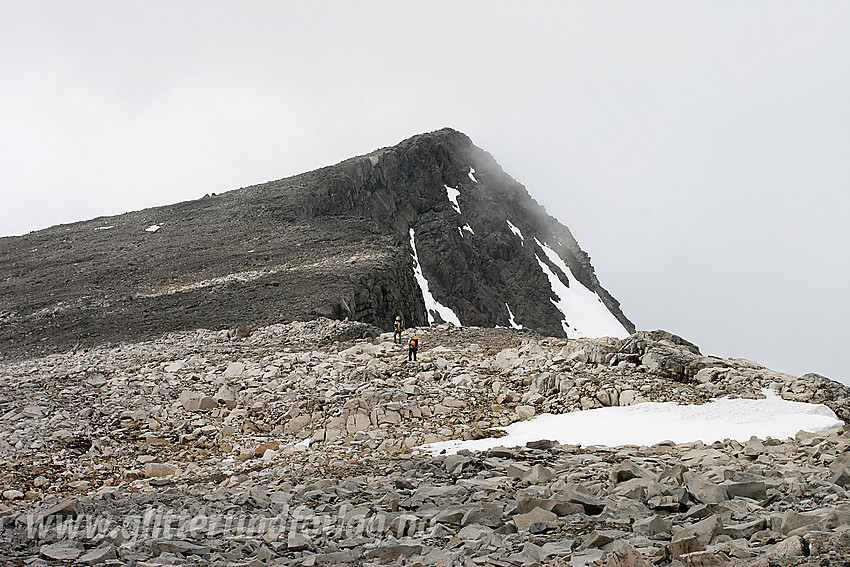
(398, 327)
(414, 346)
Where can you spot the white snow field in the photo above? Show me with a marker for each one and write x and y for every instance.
(453, 194)
(654, 422)
(584, 313)
(472, 174)
(516, 231)
(446, 313)
(511, 319)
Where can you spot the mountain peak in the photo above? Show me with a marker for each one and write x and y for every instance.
(431, 228)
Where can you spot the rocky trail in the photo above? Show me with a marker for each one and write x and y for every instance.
(300, 444)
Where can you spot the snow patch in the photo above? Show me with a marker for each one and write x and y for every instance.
(453, 194)
(153, 228)
(431, 304)
(468, 228)
(516, 231)
(584, 313)
(472, 174)
(513, 323)
(654, 422)
(104, 227)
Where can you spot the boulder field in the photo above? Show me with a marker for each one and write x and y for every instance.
(301, 444)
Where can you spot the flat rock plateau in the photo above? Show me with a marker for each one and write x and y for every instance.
(299, 444)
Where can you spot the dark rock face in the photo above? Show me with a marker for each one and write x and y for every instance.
(333, 242)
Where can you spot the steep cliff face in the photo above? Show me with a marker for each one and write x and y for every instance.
(489, 252)
(431, 228)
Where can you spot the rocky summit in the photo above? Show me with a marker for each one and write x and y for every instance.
(431, 229)
(301, 444)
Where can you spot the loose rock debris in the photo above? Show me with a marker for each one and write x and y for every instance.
(297, 445)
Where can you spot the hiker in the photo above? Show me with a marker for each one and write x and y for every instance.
(398, 327)
(414, 346)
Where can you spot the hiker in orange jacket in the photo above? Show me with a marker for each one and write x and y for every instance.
(413, 347)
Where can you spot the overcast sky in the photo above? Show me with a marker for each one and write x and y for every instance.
(699, 151)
